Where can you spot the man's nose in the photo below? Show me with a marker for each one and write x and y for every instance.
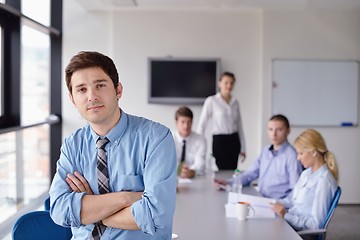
(92, 96)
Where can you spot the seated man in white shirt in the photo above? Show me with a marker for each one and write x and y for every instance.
(190, 146)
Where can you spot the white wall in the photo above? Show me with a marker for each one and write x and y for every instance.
(130, 37)
(82, 30)
(232, 36)
(318, 35)
(246, 41)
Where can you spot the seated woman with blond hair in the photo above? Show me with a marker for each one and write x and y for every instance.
(308, 205)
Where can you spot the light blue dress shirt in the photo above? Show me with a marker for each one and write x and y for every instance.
(277, 171)
(310, 200)
(141, 157)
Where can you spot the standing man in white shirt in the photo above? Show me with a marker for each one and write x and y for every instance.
(190, 146)
(224, 112)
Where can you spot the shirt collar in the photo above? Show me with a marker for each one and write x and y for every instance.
(282, 147)
(319, 172)
(118, 130)
(179, 138)
(218, 95)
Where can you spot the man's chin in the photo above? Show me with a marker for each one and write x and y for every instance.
(94, 119)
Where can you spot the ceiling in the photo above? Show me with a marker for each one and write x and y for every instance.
(113, 5)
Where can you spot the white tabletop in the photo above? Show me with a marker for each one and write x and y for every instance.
(200, 215)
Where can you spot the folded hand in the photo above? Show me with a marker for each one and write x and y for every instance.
(78, 183)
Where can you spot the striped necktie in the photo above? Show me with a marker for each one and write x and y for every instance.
(103, 182)
(182, 158)
(183, 152)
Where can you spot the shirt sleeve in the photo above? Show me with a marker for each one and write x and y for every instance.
(286, 202)
(154, 212)
(200, 155)
(319, 208)
(205, 115)
(64, 205)
(252, 172)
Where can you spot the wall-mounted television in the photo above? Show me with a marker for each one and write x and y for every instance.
(182, 80)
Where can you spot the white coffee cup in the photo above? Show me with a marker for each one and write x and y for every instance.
(243, 210)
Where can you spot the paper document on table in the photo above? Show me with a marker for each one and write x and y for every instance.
(184, 180)
(261, 205)
(253, 200)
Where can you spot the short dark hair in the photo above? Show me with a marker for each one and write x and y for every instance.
(227, 74)
(87, 59)
(281, 118)
(183, 112)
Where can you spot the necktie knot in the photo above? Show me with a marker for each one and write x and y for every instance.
(100, 143)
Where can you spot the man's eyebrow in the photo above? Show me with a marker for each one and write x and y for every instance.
(95, 81)
(100, 80)
(79, 85)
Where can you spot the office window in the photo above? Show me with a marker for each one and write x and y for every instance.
(36, 172)
(30, 92)
(38, 10)
(1, 76)
(24, 168)
(35, 75)
(7, 175)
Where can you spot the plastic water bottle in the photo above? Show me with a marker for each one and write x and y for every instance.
(236, 181)
(211, 167)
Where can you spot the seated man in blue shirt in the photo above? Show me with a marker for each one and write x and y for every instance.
(124, 188)
(276, 168)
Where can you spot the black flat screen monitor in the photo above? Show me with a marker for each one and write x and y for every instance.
(182, 81)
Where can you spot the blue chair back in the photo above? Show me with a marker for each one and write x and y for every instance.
(333, 205)
(39, 225)
(47, 203)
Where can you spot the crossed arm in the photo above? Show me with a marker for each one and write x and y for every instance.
(113, 209)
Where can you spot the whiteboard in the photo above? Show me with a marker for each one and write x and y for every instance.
(316, 92)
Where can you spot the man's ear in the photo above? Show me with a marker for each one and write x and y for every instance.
(119, 90)
(314, 153)
(288, 131)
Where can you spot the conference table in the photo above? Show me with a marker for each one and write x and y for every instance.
(200, 215)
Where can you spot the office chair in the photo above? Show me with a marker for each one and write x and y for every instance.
(321, 233)
(39, 225)
(47, 204)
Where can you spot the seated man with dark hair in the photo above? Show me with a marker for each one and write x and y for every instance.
(277, 168)
(190, 146)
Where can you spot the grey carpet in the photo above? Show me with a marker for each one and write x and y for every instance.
(345, 223)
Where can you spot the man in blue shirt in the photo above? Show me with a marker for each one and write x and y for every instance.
(141, 162)
(276, 168)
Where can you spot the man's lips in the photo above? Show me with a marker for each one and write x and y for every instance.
(96, 107)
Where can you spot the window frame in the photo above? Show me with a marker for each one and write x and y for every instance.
(11, 20)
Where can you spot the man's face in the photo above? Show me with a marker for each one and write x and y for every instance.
(183, 125)
(277, 132)
(94, 95)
